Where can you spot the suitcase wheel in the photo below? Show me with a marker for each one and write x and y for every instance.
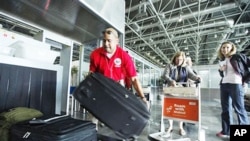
(134, 138)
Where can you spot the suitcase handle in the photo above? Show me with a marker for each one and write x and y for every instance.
(43, 121)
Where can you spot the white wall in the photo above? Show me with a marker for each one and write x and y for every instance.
(209, 75)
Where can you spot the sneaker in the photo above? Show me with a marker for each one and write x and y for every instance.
(221, 135)
(168, 133)
(169, 130)
(182, 132)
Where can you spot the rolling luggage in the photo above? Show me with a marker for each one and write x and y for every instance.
(59, 128)
(113, 105)
(101, 137)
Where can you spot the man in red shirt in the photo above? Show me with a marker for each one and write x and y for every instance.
(113, 62)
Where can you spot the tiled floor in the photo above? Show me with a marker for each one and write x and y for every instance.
(210, 122)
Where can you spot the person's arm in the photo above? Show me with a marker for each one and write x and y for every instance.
(166, 75)
(137, 85)
(192, 75)
(130, 72)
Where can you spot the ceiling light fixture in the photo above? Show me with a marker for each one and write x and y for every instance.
(215, 36)
(246, 31)
(237, 41)
(180, 17)
(185, 41)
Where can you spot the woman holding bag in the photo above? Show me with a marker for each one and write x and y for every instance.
(234, 71)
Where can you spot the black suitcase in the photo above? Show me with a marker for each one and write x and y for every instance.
(113, 105)
(61, 128)
(101, 137)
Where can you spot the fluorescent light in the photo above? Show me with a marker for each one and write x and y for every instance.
(180, 18)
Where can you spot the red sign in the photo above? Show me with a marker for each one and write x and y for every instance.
(179, 108)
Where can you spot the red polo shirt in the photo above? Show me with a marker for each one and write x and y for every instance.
(116, 67)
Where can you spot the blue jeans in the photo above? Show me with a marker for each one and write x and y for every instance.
(232, 95)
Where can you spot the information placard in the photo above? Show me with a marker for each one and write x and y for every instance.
(187, 109)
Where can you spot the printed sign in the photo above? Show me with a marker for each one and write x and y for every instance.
(187, 109)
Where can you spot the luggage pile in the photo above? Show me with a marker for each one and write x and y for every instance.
(111, 103)
(28, 124)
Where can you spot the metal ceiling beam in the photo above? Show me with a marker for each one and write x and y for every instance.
(176, 9)
(227, 37)
(161, 23)
(138, 56)
(146, 43)
(187, 16)
(135, 7)
(202, 27)
(240, 46)
(206, 32)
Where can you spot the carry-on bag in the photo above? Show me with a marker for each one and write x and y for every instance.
(113, 105)
(59, 128)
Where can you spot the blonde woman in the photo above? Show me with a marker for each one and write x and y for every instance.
(234, 71)
(178, 71)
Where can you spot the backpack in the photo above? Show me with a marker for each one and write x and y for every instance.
(244, 69)
(13, 116)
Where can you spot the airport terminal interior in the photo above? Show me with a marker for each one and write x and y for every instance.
(47, 43)
(204, 129)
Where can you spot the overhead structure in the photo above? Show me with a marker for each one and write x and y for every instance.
(157, 28)
(197, 27)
